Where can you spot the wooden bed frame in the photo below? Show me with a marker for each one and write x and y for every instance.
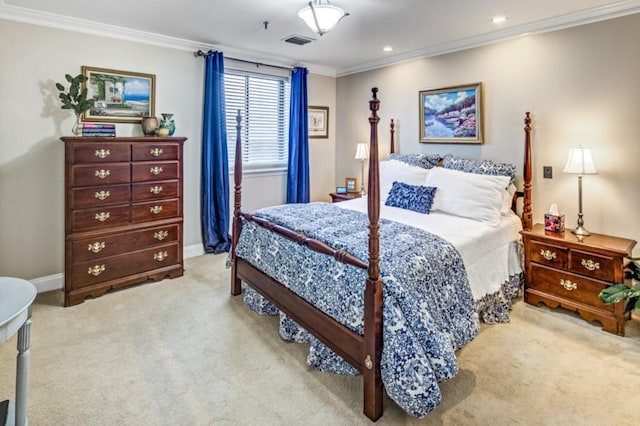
(361, 351)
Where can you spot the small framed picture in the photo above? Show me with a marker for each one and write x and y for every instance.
(318, 122)
(351, 183)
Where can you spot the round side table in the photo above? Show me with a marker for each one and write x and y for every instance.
(16, 297)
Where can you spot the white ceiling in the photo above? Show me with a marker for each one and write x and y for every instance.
(414, 28)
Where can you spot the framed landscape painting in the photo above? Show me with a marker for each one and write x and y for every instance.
(119, 96)
(451, 114)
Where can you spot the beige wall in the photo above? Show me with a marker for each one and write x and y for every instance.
(581, 86)
(31, 122)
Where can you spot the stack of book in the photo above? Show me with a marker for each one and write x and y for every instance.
(98, 129)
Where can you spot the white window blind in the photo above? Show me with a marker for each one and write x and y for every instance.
(263, 101)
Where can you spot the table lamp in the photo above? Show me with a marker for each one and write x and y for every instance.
(362, 154)
(580, 162)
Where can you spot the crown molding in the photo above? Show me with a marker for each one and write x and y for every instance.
(587, 16)
(53, 20)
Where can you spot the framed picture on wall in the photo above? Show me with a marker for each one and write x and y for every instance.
(119, 96)
(451, 114)
(351, 183)
(318, 122)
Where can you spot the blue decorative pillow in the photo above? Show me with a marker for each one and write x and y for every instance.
(411, 197)
(482, 167)
(425, 161)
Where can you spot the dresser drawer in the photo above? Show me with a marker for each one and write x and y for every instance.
(98, 247)
(154, 210)
(566, 285)
(548, 254)
(155, 190)
(100, 174)
(596, 266)
(101, 153)
(99, 196)
(150, 171)
(100, 218)
(155, 152)
(112, 267)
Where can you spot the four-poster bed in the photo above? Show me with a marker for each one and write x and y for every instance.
(360, 346)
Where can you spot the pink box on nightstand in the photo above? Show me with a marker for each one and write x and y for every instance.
(553, 223)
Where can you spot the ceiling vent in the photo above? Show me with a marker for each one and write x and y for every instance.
(299, 40)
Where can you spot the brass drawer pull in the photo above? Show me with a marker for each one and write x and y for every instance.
(568, 285)
(156, 170)
(102, 216)
(102, 153)
(155, 189)
(96, 270)
(155, 209)
(548, 254)
(590, 264)
(102, 195)
(156, 152)
(161, 235)
(160, 256)
(102, 173)
(97, 246)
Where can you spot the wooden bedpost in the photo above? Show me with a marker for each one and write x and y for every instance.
(373, 389)
(392, 145)
(527, 221)
(236, 286)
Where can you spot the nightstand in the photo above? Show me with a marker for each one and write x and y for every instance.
(336, 198)
(570, 272)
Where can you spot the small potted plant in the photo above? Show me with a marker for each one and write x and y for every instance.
(75, 98)
(620, 291)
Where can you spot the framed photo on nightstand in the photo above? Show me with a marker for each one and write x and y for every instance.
(351, 183)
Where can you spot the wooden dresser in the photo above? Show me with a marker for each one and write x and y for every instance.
(564, 270)
(123, 212)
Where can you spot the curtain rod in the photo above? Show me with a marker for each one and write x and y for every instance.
(258, 64)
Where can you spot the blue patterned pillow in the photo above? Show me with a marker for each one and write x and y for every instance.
(411, 197)
(425, 161)
(484, 167)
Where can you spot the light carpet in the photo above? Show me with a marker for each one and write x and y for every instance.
(184, 352)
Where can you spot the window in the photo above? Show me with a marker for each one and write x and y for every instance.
(263, 101)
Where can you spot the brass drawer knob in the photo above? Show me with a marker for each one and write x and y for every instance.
(160, 256)
(590, 264)
(97, 246)
(102, 153)
(155, 209)
(102, 195)
(161, 235)
(155, 189)
(102, 173)
(568, 285)
(548, 254)
(96, 270)
(156, 170)
(156, 152)
(102, 216)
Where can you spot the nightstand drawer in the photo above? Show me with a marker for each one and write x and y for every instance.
(568, 286)
(548, 254)
(595, 266)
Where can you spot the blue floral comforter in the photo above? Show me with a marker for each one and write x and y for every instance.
(428, 307)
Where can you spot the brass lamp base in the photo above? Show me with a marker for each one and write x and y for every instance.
(581, 231)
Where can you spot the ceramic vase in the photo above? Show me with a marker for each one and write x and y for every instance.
(168, 123)
(149, 125)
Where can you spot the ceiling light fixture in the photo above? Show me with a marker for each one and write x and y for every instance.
(499, 20)
(388, 49)
(321, 16)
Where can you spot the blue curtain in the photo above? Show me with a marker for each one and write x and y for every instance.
(214, 205)
(298, 170)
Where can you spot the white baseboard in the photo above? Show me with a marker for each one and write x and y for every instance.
(56, 281)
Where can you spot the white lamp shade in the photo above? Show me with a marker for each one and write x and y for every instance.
(580, 162)
(362, 151)
(327, 15)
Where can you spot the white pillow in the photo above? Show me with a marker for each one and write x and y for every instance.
(397, 171)
(507, 199)
(470, 195)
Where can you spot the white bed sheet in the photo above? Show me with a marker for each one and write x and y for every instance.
(490, 254)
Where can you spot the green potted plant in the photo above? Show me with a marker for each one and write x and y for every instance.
(620, 291)
(75, 98)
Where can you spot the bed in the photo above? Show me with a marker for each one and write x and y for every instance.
(378, 295)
